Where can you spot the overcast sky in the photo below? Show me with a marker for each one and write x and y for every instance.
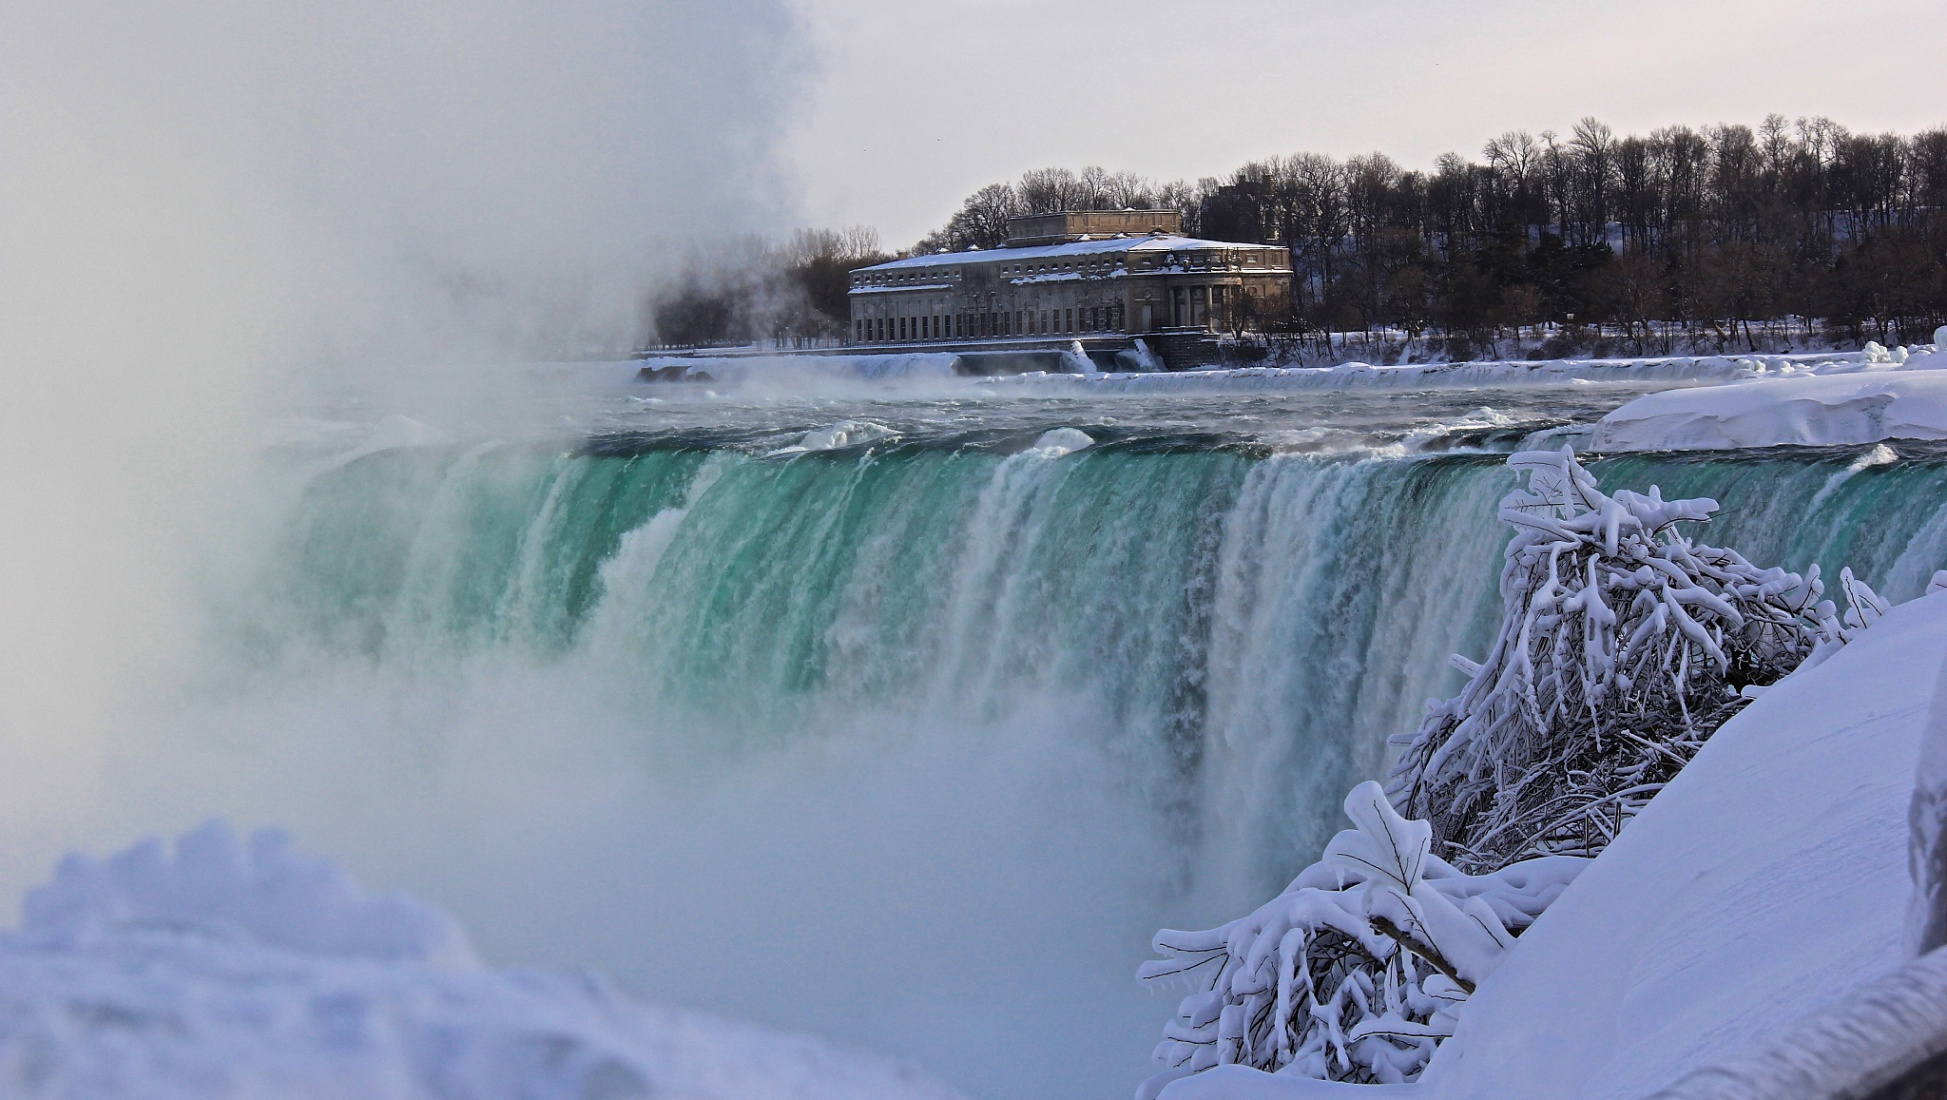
(921, 101)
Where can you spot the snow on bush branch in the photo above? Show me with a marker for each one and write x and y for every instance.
(1625, 644)
(1354, 971)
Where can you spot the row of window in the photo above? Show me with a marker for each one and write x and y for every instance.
(1226, 259)
(972, 326)
(1099, 267)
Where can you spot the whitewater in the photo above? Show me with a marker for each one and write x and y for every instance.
(900, 714)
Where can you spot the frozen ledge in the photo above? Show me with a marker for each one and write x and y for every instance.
(1807, 411)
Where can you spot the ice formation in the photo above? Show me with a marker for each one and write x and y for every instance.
(1061, 441)
(845, 433)
(1744, 937)
(1352, 973)
(1624, 646)
(250, 970)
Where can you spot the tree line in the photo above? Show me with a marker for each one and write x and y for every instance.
(1727, 235)
(794, 290)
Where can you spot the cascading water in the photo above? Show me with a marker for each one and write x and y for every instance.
(913, 743)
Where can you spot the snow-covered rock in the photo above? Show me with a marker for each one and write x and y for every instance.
(1811, 410)
(250, 971)
(1768, 880)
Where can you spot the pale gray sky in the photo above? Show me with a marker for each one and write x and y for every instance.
(921, 102)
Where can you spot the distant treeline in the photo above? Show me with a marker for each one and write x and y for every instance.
(1690, 237)
(761, 290)
(1647, 240)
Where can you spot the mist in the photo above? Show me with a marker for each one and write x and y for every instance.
(226, 226)
(216, 216)
(212, 212)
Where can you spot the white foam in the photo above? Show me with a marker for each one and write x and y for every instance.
(845, 433)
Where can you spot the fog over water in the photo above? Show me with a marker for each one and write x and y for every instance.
(211, 211)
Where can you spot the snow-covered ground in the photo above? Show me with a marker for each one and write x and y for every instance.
(1873, 396)
(252, 971)
(1766, 882)
(941, 368)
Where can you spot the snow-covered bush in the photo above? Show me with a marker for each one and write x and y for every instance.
(1624, 646)
(1353, 972)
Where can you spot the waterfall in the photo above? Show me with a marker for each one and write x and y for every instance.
(931, 712)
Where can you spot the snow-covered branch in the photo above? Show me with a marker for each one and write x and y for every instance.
(1354, 971)
(1624, 646)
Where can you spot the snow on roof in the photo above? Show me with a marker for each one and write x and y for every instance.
(1159, 243)
(901, 287)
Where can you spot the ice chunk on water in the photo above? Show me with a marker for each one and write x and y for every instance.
(1062, 441)
(845, 433)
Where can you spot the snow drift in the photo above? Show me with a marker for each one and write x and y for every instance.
(1864, 397)
(251, 970)
(1769, 877)
(1804, 411)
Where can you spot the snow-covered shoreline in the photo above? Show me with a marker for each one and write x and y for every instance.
(1806, 410)
(934, 368)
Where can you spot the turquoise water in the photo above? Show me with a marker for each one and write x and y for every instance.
(1246, 625)
(1077, 696)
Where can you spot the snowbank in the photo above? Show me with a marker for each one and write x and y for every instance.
(250, 971)
(1702, 370)
(1075, 373)
(1765, 881)
(1814, 410)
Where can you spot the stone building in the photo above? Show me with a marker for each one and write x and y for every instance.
(1105, 276)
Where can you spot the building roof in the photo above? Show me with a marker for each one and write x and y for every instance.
(1161, 243)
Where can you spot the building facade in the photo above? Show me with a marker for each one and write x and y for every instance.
(1088, 273)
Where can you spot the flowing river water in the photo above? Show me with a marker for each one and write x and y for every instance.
(876, 717)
